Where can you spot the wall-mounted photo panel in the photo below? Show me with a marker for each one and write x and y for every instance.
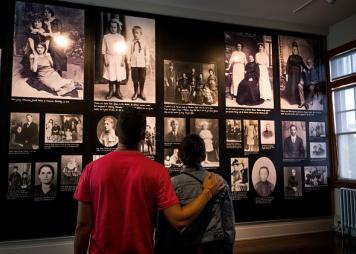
(264, 177)
(248, 70)
(125, 58)
(106, 131)
(24, 131)
(267, 129)
(71, 169)
(317, 130)
(292, 182)
(48, 52)
(251, 140)
(148, 146)
(208, 130)
(190, 83)
(63, 128)
(317, 149)
(294, 140)
(315, 177)
(174, 129)
(239, 175)
(45, 181)
(172, 160)
(19, 181)
(300, 74)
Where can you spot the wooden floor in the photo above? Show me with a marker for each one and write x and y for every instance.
(323, 243)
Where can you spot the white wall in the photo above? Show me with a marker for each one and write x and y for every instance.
(342, 32)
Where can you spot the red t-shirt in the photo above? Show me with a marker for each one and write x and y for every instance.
(124, 189)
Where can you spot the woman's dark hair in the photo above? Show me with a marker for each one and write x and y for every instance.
(49, 10)
(36, 18)
(131, 126)
(48, 166)
(192, 150)
(43, 44)
(263, 167)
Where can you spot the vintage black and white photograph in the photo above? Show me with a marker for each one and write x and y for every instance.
(24, 131)
(248, 70)
(294, 140)
(148, 145)
(267, 130)
(299, 73)
(172, 160)
(315, 176)
(208, 130)
(190, 83)
(71, 169)
(317, 129)
(292, 182)
(174, 129)
(106, 131)
(124, 59)
(63, 128)
(19, 180)
(48, 52)
(317, 149)
(45, 181)
(264, 176)
(233, 130)
(239, 174)
(251, 140)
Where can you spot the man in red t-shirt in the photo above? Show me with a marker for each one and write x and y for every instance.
(119, 193)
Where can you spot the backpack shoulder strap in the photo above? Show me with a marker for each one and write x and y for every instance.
(193, 176)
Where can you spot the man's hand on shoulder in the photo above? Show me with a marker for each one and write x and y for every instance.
(213, 183)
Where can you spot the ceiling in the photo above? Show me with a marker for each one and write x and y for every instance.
(316, 17)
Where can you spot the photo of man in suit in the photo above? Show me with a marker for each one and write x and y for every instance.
(30, 133)
(175, 134)
(293, 146)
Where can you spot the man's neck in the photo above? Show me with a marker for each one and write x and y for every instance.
(127, 148)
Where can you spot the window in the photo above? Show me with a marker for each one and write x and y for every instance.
(342, 94)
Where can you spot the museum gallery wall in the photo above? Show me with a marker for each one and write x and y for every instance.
(256, 97)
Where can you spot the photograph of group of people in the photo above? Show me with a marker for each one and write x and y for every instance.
(292, 182)
(315, 176)
(248, 70)
(317, 130)
(239, 174)
(19, 178)
(48, 55)
(190, 83)
(63, 128)
(24, 131)
(300, 78)
(317, 150)
(124, 59)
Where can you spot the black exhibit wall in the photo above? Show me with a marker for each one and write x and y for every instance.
(256, 97)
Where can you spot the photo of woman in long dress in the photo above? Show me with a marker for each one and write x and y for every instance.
(264, 83)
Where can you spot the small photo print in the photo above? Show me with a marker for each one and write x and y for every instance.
(97, 156)
(24, 131)
(71, 169)
(317, 150)
(172, 160)
(233, 130)
(106, 131)
(317, 129)
(268, 136)
(239, 174)
(264, 176)
(208, 130)
(19, 180)
(292, 182)
(63, 128)
(148, 145)
(315, 176)
(294, 140)
(251, 140)
(45, 181)
(174, 129)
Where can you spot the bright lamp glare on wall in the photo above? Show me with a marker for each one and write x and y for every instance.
(62, 41)
(120, 47)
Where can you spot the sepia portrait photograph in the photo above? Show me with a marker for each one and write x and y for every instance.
(45, 181)
(264, 176)
(267, 130)
(251, 140)
(172, 160)
(248, 70)
(125, 58)
(190, 83)
(174, 129)
(239, 174)
(294, 140)
(106, 131)
(24, 131)
(71, 169)
(292, 182)
(317, 150)
(63, 128)
(315, 176)
(300, 74)
(208, 130)
(317, 130)
(48, 52)
(148, 145)
(233, 130)
(19, 180)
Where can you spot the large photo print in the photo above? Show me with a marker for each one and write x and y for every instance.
(48, 54)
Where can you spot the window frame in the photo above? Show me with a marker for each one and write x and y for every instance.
(338, 83)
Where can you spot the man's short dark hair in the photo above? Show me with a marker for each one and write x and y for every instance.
(192, 150)
(131, 126)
